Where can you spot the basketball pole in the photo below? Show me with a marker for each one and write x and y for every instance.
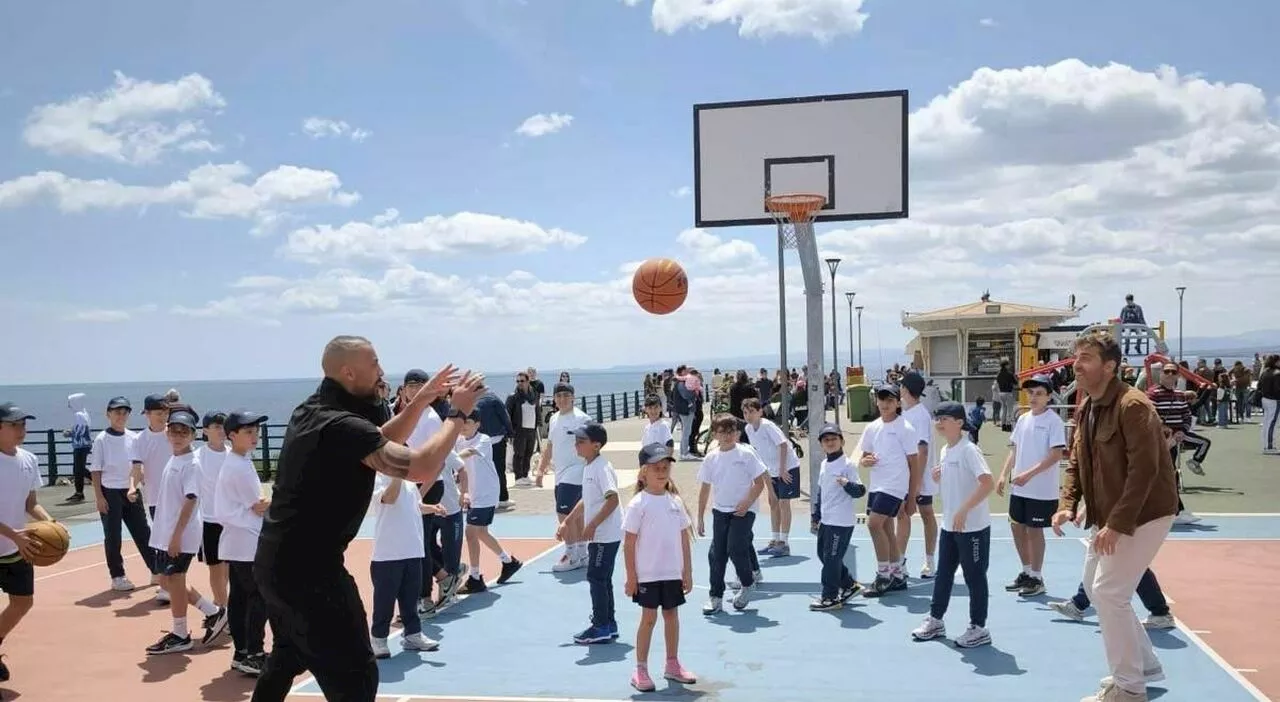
(815, 325)
(784, 404)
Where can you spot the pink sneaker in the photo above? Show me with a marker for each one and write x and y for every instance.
(641, 681)
(676, 673)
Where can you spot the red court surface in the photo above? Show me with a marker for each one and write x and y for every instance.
(1230, 619)
(82, 642)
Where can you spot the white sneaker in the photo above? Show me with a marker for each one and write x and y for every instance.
(1194, 466)
(523, 482)
(380, 649)
(930, 629)
(162, 596)
(1186, 516)
(755, 575)
(1164, 621)
(565, 564)
(714, 605)
(743, 598)
(973, 637)
(1154, 675)
(926, 570)
(1068, 609)
(121, 584)
(418, 642)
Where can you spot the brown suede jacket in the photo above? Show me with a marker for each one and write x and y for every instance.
(1120, 464)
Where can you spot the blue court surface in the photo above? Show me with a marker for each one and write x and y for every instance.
(514, 642)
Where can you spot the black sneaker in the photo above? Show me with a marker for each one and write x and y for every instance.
(1018, 583)
(170, 643)
(238, 658)
(878, 587)
(214, 625)
(253, 664)
(509, 569)
(473, 586)
(898, 582)
(847, 594)
(825, 605)
(1033, 587)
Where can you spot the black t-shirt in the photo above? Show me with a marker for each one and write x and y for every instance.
(322, 489)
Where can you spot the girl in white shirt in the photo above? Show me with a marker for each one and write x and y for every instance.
(657, 545)
(965, 482)
(239, 506)
(834, 511)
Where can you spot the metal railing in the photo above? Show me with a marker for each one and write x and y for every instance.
(56, 456)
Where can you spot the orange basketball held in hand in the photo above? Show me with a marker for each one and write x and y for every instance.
(50, 542)
(660, 286)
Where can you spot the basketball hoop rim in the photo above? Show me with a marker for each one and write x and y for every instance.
(797, 207)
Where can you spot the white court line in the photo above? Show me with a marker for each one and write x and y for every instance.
(1201, 632)
(1212, 654)
(69, 571)
(308, 679)
(1246, 670)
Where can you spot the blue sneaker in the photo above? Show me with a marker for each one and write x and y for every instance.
(613, 630)
(594, 634)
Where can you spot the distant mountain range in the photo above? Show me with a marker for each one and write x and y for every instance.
(1237, 346)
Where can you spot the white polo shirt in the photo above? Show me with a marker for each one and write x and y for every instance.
(1034, 436)
(482, 475)
(238, 490)
(891, 442)
(921, 420)
(660, 523)
(112, 456)
(210, 465)
(19, 477)
(766, 440)
(837, 505)
(962, 465)
(658, 432)
(564, 458)
(397, 529)
(730, 474)
(153, 451)
(180, 479)
(598, 481)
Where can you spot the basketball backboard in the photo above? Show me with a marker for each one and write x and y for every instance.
(852, 149)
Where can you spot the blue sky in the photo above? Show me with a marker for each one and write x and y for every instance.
(211, 278)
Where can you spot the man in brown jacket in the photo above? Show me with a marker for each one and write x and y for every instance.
(1122, 471)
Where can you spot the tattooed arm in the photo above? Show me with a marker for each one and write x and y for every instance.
(422, 465)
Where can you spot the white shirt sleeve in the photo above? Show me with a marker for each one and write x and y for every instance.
(608, 479)
(236, 497)
(908, 439)
(191, 480)
(1057, 433)
(976, 462)
(633, 515)
(95, 454)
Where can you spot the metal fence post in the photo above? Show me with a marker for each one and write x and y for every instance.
(613, 407)
(51, 446)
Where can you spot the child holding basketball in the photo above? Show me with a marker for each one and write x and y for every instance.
(19, 481)
(476, 451)
(780, 458)
(735, 476)
(177, 535)
(657, 555)
(239, 508)
(965, 482)
(833, 510)
(602, 529)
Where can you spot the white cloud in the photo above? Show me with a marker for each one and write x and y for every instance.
(987, 22)
(823, 20)
(388, 239)
(133, 121)
(210, 192)
(720, 255)
(320, 128)
(682, 192)
(542, 125)
(102, 316)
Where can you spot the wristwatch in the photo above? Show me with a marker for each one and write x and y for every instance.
(456, 414)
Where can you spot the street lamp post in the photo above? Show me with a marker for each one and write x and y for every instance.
(1181, 289)
(849, 296)
(832, 264)
(859, 308)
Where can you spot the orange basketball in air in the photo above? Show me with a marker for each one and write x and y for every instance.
(51, 540)
(660, 286)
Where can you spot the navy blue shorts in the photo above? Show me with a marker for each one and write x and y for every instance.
(567, 497)
(480, 516)
(924, 500)
(785, 491)
(883, 503)
(172, 565)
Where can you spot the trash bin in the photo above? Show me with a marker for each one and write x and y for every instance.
(858, 400)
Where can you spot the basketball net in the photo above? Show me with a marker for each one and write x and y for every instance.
(794, 214)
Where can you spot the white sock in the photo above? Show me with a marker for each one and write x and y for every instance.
(180, 627)
(582, 549)
(782, 537)
(882, 568)
(504, 557)
(1035, 574)
(777, 536)
(206, 607)
(1026, 570)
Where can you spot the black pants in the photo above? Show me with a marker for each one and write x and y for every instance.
(500, 463)
(318, 623)
(731, 541)
(1198, 444)
(600, 561)
(444, 547)
(246, 611)
(522, 446)
(694, 428)
(80, 468)
(833, 544)
(123, 514)
(971, 552)
(395, 584)
(1148, 591)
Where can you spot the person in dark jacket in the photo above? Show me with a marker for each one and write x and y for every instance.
(522, 409)
(1269, 391)
(495, 423)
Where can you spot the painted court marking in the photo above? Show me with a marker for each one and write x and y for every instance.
(308, 679)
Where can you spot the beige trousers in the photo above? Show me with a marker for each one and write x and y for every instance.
(1110, 582)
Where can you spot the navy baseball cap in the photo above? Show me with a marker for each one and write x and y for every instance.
(888, 391)
(10, 412)
(951, 409)
(417, 375)
(592, 432)
(563, 387)
(184, 418)
(155, 402)
(213, 417)
(119, 403)
(830, 430)
(240, 419)
(1042, 381)
(655, 453)
(913, 383)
